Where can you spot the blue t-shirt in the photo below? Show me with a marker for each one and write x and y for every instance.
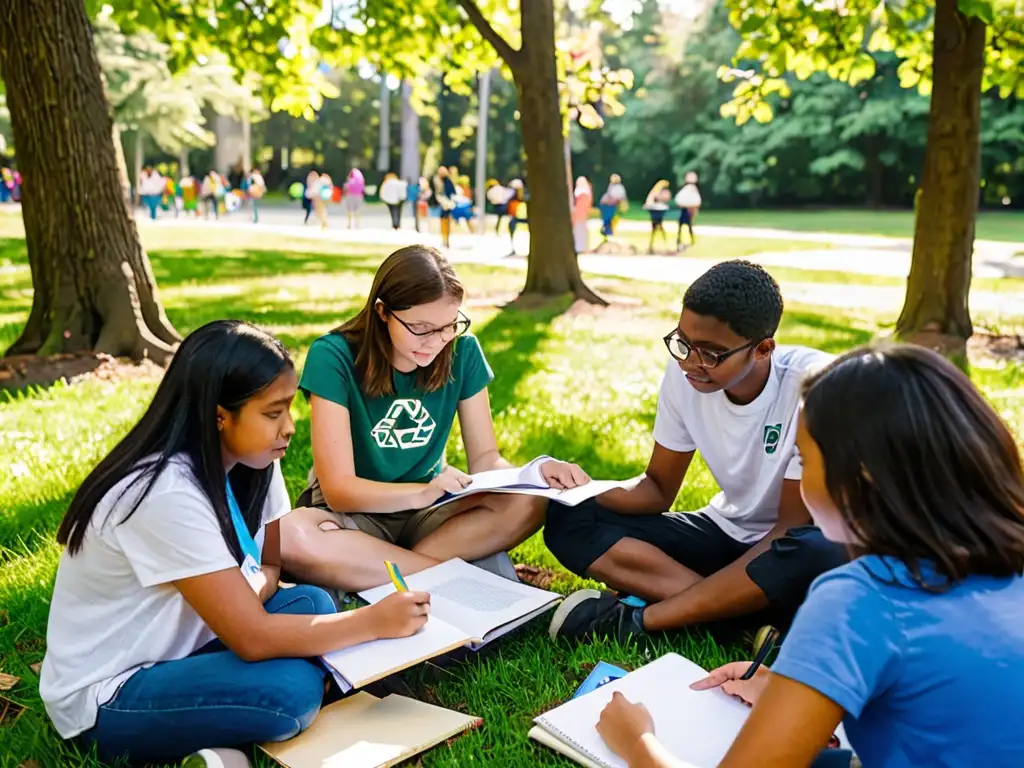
(925, 679)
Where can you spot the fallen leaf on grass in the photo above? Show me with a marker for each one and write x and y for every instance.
(37, 667)
(30, 764)
(8, 681)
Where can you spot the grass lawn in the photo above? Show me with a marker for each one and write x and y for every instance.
(991, 225)
(578, 384)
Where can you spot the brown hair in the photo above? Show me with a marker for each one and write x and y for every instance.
(409, 277)
(918, 463)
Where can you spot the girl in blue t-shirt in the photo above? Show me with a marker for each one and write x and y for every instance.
(384, 391)
(916, 645)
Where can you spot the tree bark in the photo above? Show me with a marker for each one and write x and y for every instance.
(552, 267)
(935, 312)
(93, 285)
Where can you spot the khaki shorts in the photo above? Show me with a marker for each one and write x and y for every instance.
(404, 529)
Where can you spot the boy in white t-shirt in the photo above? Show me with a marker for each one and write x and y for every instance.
(732, 395)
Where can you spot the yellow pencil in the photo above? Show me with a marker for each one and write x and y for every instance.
(396, 576)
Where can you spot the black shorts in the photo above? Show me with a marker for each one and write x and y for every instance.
(579, 535)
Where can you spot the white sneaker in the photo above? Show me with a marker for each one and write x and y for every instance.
(216, 758)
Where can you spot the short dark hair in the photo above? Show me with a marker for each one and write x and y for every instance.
(918, 463)
(741, 294)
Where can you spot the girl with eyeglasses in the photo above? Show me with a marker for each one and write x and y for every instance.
(384, 390)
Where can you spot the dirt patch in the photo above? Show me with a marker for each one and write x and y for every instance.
(20, 371)
(996, 346)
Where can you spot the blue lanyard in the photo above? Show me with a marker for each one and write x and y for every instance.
(245, 538)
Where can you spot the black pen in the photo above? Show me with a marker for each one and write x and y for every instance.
(762, 652)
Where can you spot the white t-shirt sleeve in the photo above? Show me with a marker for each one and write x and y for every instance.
(278, 504)
(173, 535)
(669, 425)
(795, 465)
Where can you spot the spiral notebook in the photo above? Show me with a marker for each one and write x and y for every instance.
(696, 727)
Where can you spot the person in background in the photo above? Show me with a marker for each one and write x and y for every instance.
(582, 202)
(444, 198)
(6, 182)
(916, 644)
(517, 212)
(688, 201)
(151, 189)
(393, 193)
(211, 191)
(355, 190)
(412, 196)
(611, 202)
(255, 187)
(310, 193)
(498, 196)
(656, 206)
(189, 195)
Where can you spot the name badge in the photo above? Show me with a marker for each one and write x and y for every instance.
(251, 571)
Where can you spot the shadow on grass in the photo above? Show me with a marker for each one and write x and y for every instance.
(510, 341)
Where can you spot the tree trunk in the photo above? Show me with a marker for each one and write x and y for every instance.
(410, 136)
(935, 311)
(552, 267)
(93, 286)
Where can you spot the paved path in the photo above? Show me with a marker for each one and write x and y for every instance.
(492, 250)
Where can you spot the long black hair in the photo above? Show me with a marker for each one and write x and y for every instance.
(223, 363)
(918, 463)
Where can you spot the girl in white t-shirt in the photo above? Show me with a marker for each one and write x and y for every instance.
(167, 631)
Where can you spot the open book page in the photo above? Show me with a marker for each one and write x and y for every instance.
(363, 731)
(364, 663)
(696, 727)
(470, 598)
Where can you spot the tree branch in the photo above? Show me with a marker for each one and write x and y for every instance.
(509, 54)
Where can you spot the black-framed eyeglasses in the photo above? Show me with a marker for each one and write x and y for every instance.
(681, 350)
(457, 328)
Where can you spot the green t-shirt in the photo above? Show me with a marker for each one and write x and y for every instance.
(400, 438)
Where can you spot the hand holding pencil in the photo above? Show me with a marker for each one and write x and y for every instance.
(400, 614)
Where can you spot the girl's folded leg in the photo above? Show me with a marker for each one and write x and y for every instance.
(175, 708)
(214, 698)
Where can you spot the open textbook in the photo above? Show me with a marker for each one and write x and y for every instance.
(528, 481)
(362, 731)
(468, 607)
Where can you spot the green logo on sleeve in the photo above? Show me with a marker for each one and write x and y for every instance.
(772, 435)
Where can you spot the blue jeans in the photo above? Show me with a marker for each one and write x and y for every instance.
(213, 698)
(151, 201)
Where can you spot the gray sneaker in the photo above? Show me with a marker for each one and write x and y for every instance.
(500, 564)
